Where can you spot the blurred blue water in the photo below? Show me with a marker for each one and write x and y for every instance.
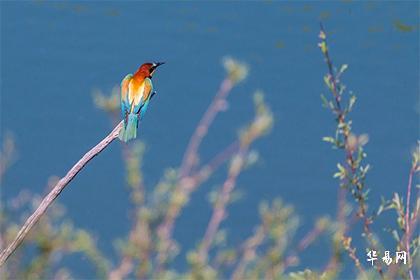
(54, 53)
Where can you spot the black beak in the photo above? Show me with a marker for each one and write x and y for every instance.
(159, 64)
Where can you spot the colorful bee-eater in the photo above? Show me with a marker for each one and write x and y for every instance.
(136, 92)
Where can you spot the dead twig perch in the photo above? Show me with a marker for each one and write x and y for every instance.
(58, 188)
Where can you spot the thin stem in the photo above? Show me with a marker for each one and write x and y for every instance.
(190, 156)
(209, 168)
(219, 211)
(407, 219)
(249, 252)
(189, 185)
(352, 254)
(304, 243)
(58, 188)
(328, 60)
(349, 159)
(186, 182)
(122, 270)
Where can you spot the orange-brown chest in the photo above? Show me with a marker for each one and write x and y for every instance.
(136, 90)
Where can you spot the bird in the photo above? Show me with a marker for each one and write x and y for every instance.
(136, 93)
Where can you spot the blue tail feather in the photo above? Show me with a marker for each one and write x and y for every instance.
(129, 131)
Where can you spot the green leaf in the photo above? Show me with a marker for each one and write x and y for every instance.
(328, 139)
(327, 81)
(343, 68)
(324, 101)
(352, 102)
(342, 173)
(323, 47)
(380, 210)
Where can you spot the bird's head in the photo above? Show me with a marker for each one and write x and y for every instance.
(147, 69)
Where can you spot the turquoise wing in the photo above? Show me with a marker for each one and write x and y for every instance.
(148, 93)
(125, 104)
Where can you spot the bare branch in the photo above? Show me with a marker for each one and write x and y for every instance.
(217, 105)
(219, 211)
(59, 187)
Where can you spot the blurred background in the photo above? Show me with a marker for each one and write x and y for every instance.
(55, 54)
